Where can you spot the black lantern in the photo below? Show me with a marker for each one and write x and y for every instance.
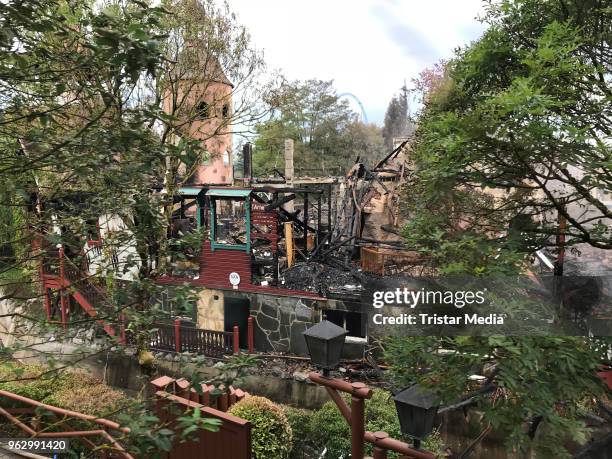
(325, 341)
(416, 408)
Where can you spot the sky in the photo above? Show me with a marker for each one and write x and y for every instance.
(368, 47)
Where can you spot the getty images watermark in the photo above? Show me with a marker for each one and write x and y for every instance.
(413, 298)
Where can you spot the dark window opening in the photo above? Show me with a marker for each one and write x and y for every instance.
(203, 110)
(225, 111)
(352, 322)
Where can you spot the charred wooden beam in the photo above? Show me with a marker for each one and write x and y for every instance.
(279, 202)
(390, 155)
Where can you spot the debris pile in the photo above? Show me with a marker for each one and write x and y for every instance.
(322, 279)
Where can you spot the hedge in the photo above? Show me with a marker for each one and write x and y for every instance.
(271, 435)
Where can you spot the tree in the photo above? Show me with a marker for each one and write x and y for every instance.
(519, 132)
(322, 126)
(397, 122)
(514, 132)
(537, 391)
(83, 135)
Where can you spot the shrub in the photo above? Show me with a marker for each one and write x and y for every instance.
(328, 428)
(299, 421)
(29, 381)
(74, 391)
(271, 435)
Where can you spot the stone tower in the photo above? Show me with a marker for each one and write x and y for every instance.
(204, 98)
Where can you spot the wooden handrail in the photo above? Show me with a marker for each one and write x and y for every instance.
(107, 424)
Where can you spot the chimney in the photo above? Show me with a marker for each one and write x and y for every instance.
(289, 161)
(247, 161)
(289, 207)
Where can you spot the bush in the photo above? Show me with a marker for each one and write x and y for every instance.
(271, 435)
(74, 391)
(299, 421)
(29, 381)
(328, 428)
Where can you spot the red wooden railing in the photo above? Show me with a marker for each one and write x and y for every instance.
(166, 337)
(61, 419)
(207, 395)
(179, 338)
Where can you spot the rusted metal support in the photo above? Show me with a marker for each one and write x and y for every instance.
(357, 422)
(177, 335)
(250, 335)
(236, 339)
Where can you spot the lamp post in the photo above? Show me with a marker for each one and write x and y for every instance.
(325, 342)
(416, 409)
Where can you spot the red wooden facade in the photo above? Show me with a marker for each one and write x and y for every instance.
(232, 441)
(216, 266)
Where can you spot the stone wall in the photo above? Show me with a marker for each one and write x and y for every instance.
(280, 321)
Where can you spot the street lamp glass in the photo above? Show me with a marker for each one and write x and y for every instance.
(325, 342)
(416, 409)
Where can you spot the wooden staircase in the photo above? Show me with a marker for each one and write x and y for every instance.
(60, 273)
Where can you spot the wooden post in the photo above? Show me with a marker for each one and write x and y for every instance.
(44, 289)
(250, 335)
(177, 335)
(289, 243)
(222, 403)
(236, 339)
(355, 415)
(47, 301)
(357, 423)
(61, 290)
(380, 453)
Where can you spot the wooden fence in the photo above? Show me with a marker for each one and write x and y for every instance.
(175, 337)
(179, 338)
(232, 441)
(207, 395)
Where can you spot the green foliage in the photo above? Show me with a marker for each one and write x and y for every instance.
(328, 428)
(69, 390)
(271, 434)
(513, 128)
(397, 122)
(530, 376)
(326, 132)
(193, 422)
(299, 421)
